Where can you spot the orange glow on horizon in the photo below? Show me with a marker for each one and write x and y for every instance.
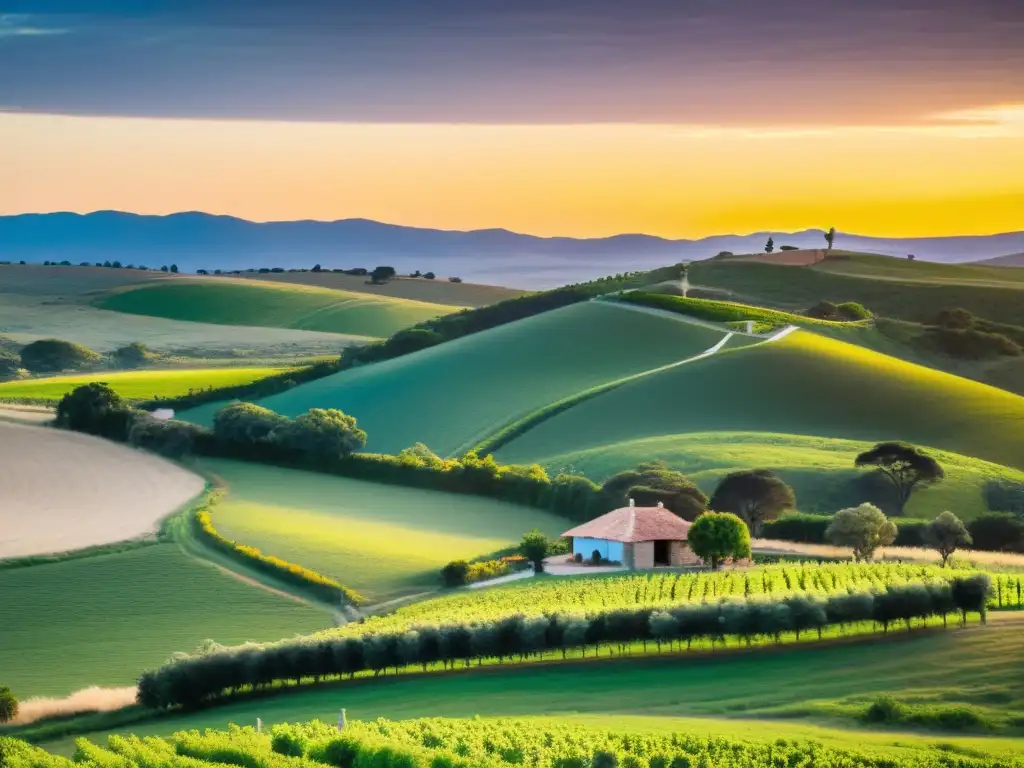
(961, 173)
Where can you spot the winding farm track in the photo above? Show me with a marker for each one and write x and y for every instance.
(63, 491)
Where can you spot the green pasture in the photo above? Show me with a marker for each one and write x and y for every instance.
(878, 267)
(274, 305)
(452, 395)
(806, 692)
(802, 384)
(136, 385)
(882, 289)
(820, 469)
(381, 540)
(102, 620)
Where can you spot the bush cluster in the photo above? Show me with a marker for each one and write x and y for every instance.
(189, 681)
(323, 587)
(960, 334)
(810, 529)
(458, 573)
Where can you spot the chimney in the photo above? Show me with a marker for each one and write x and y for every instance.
(632, 503)
(660, 504)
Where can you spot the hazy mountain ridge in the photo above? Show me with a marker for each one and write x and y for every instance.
(196, 240)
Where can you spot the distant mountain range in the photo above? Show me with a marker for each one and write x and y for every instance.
(204, 241)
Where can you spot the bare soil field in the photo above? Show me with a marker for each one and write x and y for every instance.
(802, 258)
(64, 490)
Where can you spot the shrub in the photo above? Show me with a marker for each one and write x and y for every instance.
(885, 709)
(247, 424)
(1004, 496)
(851, 310)
(998, 532)
(55, 355)
(534, 547)
(173, 439)
(410, 340)
(972, 344)
(595, 557)
(8, 705)
(320, 432)
(864, 529)
(96, 409)
(719, 536)
(956, 319)
(577, 557)
(454, 279)
(131, 355)
(10, 364)
(455, 573)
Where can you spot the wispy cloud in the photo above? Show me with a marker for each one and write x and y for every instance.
(27, 25)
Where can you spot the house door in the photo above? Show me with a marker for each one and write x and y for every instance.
(662, 554)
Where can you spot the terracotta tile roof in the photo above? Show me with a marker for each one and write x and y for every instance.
(632, 524)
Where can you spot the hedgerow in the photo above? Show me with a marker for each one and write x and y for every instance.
(320, 585)
(364, 648)
(724, 311)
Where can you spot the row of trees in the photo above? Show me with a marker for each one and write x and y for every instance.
(188, 681)
(865, 528)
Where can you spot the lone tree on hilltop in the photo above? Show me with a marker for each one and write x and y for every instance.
(830, 237)
(906, 466)
(718, 536)
(534, 547)
(8, 705)
(863, 529)
(174, 269)
(770, 245)
(755, 496)
(382, 274)
(945, 534)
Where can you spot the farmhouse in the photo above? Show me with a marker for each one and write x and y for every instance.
(637, 537)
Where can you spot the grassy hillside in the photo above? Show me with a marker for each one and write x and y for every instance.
(238, 302)
(451, 395)
(803, 384)
(136, 385)
(738, 695)
(877, 267)
(820, 469)
(382, 541)
(101, 620)
(885, 290)
(437, 291)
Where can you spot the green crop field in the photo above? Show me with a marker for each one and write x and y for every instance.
(888, 293)
(136, 385)
(383, 541)
(812, 692)
(274, 305)
(454, 394)
(802, 384)
(102, 620)
(819, 469)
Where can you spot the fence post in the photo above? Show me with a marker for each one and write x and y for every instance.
(342, 721)
(259, 725)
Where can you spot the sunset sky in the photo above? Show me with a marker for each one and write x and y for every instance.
(680, 118)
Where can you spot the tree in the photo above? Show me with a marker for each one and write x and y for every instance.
(247, 423)
(755, 496)
(55, 355)
(96, 409)
(8, 705)
(906, 467)
(911, 256)
(997, 531)
(382, 274)
(830, 237)
(317, 268)
(174, 269)
(163, 268)
(429, 275)
(863, 529)
(321, 432)
(945, 534)
(534, 548)
(770, 245)
(652, 482)
(131, 355)
(718, 536)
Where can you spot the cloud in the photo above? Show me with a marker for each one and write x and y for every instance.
(27, 25)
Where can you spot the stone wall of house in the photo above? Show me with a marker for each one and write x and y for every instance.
(643, 555)
(681, 556)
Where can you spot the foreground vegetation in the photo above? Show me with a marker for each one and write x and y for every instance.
(530, 627)
(100, 620)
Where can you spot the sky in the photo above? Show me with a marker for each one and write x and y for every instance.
(680, 118)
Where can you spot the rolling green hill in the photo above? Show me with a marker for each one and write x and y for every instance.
(905, 290)
(802, 384)
(136, 385)
(275, 305)
(383, 541)
(100, 620)
(452, 395)
(819, 469)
